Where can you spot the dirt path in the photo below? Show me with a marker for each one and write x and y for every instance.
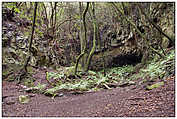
(118, 102)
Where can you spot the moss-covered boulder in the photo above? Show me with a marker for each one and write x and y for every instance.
(156, 85)
(115, 57)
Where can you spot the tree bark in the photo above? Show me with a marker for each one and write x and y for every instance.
(55, 19)
(94, 38)
(31, 40)
(46, 16)
(81, 33)
(85, 38)
(23, 71)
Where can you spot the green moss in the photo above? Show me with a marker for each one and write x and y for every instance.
(24, 99)
(156, 85)
(5, 72)
(30, 70)
(71, 70)
(28, 82)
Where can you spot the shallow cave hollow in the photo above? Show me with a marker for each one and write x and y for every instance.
(128, 59)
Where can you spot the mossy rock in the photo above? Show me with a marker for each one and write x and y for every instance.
(118, 56)
(165, 42)
(23, 99)
(28, 82)
(156, 85)
(31, 70)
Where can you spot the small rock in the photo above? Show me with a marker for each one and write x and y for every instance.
(10, 100)
(156, 85)
(22, 86)
(24, 99)
(32, 95)
(61, 95)
(131, 83)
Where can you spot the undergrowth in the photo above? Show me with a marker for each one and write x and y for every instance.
(158, 68)
(93, 81)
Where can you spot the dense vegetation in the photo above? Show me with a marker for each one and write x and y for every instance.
(87, 46)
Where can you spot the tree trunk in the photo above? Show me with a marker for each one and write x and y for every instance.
(31, 40)
(94, 38)
(23, 71)
(83, 40)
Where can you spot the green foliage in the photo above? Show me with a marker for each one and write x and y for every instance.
(80, 85)
(12, 6)
(158, 68)
(77, 16)
(60, 13)
(153, 70)
(17, 10)
(28, 82)
(120, 72)
(102, 80)
(40, 88)
(54, 75)
(40, 33)
(89, 83)
(52, 91)
(70, 70)
(92, 72)
(92, 81)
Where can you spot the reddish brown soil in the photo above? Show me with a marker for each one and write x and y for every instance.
(132, 101)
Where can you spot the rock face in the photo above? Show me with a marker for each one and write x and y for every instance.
(120, 49)
(117, 46)
(113, 60)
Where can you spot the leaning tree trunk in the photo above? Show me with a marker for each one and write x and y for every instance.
(31, 40)
(23, 71)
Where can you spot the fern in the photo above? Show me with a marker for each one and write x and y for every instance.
(157, 69)
(55, 75)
